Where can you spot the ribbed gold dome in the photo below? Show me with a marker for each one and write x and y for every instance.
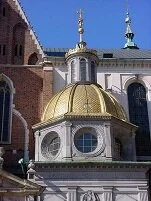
(83, 99)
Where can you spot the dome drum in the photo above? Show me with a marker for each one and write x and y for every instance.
(82, 68)
(85, 139)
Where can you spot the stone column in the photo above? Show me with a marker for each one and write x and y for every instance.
(67, 142)
(143, 194)
(38, 198)
(72, 194)
(37, 134)
(108, 141)
(107, 194)
(1, 159)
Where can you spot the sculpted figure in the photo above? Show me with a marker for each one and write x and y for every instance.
(90, 196)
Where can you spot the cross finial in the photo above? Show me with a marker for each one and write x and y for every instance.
(80, 12)
(127, 6)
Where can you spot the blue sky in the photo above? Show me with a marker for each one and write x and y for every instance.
(55, 22)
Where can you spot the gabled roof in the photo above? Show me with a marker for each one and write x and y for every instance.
(106, 53)
(24, 17)
(13, 185)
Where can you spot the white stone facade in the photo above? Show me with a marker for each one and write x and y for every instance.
(106, 134)
(115, 75)
(99, 183)
(110, 171)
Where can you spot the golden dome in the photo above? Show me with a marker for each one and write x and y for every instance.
(83, 99)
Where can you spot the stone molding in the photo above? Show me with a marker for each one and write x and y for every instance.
(26, 141)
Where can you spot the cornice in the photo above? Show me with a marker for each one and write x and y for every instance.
(19, 66)
(109, 63)
(125, 63)
(93, 165)
(92, 117)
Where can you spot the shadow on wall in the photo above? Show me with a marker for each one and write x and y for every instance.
(59, 196)
(120, 96)
(60, 79)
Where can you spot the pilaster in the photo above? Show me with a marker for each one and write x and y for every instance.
(143, 194)
(67, 142)
(72, 194)
(108, 141)
(37, 145)
(107, 194)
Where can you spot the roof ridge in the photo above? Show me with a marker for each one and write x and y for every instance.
(32, 33)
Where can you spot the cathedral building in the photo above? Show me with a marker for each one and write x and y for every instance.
(81, 114)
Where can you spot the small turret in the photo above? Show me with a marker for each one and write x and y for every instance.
(82, 61)
(129, 35)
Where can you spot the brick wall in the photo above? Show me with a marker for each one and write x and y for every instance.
(10, 35)
(32, 93)
(33, 85)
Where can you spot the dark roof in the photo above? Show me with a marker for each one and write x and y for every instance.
(106, 53)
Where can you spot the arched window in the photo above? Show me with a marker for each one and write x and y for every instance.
(33, 59)
(18, 44)
(73, 71)
(83, 69)
(4, 11)
(5, 100)
(93, 71)
(138, 114)
(4, 50)
(16, 50)
(20, 50)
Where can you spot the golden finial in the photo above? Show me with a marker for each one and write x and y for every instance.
(80, 23)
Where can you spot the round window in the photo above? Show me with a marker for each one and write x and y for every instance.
(54, 146)
(50, 145)
(86, 142)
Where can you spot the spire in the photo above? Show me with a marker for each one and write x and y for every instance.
(129, 34)
(81, 29)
